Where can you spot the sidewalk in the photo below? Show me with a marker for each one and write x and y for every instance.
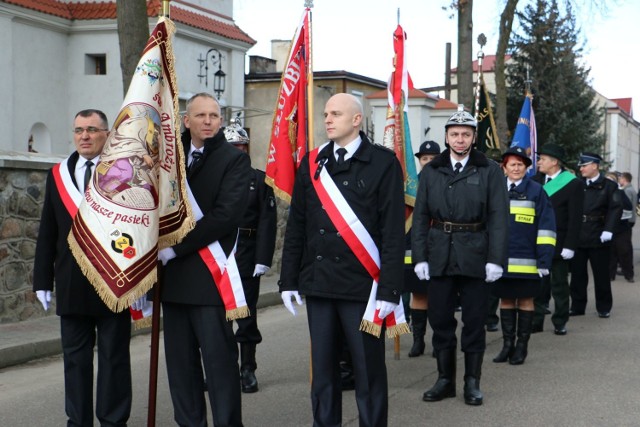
(22, 342)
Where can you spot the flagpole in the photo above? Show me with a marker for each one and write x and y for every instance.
(482, 40)
(155, 317)
(310, 143)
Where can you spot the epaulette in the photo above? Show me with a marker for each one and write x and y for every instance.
(382, 147)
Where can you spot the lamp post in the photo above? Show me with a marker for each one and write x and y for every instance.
(219, 77)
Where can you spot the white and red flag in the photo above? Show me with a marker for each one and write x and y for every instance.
(136, 201)
(289, 139)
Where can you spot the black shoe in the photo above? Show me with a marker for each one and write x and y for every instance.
(560, 330)
(492, 327)
(536, 328)
(576, 313)
(630, 280)
(604, 314)
(248, 381)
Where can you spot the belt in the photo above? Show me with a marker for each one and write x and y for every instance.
(452, 227)
(587, 218)
(247, 232)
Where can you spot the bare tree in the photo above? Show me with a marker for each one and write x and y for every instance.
(465, 45)
(506, 24)
(133, 33)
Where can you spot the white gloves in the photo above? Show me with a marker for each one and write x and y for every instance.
(494, 272)
(567, 253)
(606, 236)
(385, 307)
(422, 270)
(260, 270)
(140, 304)
(543, 272)
(286, 299)
(45, 298)
(165, 255)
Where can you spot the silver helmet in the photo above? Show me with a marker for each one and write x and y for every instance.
(235, 134)
(461, 118)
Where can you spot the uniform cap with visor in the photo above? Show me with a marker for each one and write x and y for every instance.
(235, 134)
(461, 118)
(428, 147)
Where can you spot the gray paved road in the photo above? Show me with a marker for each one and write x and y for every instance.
(589, 377)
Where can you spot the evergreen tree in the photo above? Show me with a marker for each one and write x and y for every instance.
(563, 101)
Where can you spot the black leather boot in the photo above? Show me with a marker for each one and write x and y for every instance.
(445, 386)
(419, 326)
(525, 319)
(472, 371)
(248, 380)
(508, 321)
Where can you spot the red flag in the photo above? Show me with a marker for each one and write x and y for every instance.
(288, 142)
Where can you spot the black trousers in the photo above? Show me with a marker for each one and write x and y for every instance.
(195, 337)
(474, 299)
(599, 259)
(248, 331)
(113, 388)
(326, 318)
(558, 282)
(622, 253)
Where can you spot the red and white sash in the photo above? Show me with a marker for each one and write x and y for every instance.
(361, 244)
(224, 271)
(71, 198)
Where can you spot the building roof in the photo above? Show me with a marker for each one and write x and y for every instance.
(107, 10)
(624, 104)
(488, 64)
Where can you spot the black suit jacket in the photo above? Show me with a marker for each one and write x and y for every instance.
(220, 184)
(54, 260)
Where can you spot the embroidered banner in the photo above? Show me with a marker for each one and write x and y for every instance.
(136, 200)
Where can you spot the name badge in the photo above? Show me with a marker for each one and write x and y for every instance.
(528, 219)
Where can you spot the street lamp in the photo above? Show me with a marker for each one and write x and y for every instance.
(219, 77)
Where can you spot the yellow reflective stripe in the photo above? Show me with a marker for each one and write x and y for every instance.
(546, 240)
(522, 269)
(407, 260)
(515, 210)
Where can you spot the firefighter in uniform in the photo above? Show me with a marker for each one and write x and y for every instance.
(459, 241)
(256, 243)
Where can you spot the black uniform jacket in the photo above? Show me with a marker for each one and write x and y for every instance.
(54, 260)
(602, 211)
(315, 259)
(477, 195)
(220, 184)
(567, 204)
(258, 227)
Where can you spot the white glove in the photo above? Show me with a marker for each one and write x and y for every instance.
(567, 253)
(45, 298)
(260, 270)
(140, 304)
(606, 236)
(165, 255)
(385, 307)
(286, 299)
(494, 272)
(422, 270)
(543, 272)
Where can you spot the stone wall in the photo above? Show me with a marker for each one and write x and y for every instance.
(22, 185)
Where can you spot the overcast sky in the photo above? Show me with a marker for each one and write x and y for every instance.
(356, 36)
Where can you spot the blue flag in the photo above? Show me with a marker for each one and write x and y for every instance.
(525, 135)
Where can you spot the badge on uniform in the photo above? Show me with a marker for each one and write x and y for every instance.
(272, 202)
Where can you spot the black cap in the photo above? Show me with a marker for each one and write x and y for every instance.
(519, 152)
(428, 147)
(586, 158)
(553, 150)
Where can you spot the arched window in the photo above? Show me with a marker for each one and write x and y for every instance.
(39, 139)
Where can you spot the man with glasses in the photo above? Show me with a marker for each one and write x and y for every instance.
(602, 210)
(84, 318)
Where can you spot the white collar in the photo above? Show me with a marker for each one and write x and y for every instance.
(351, 148)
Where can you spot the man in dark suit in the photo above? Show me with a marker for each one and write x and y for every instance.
(83, 316)
(318, 260)
(602, 209)
(567, 194)
(256, 243)
(197, 334)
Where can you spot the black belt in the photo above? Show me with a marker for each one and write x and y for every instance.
(452, 227)
(587, 218)
(247, 232)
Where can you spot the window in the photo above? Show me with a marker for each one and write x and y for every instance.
(95, 64)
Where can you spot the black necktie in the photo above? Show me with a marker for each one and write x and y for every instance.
(512, 187)
(87, 173)
(195, 158)
(341, 153)
(456, 171)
